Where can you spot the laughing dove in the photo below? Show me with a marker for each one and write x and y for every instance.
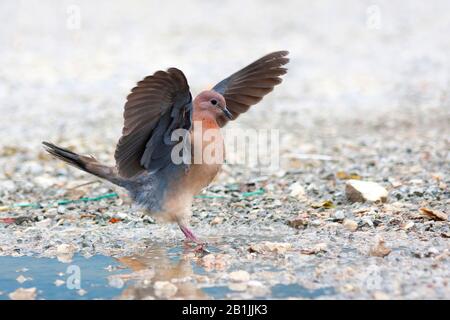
(161, 105)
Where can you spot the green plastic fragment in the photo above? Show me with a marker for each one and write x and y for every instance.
(258, 192)
(205, 196)
(115, 195)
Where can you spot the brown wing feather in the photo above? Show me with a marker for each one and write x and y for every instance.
(249, 85)
(147, 104)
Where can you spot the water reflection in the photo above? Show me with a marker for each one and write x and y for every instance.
(182, 273)
(176, 265)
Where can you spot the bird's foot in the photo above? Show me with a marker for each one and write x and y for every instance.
(200, 246)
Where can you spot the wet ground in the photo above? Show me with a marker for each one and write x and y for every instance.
(130, 277)
(366, 97)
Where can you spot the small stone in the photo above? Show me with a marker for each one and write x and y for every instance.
(380, 249)
(32, 167)
(239, 276)
(270, 247)
(379, 295)
(165, 289)
(23, 294)
(237, 286)
(297, 191)
(368, 221)
(361, 191)
(7, 185)
(122, 216)
(81, 292)
(59, 282)
(416, 192)
(44, 223)
(116, 282)
(64, 252)
(257, 288)
(320, 247)
(350, 225)
(45, 181)
(299, 222)
(215, 261)
(408, 225)
(21, 279)
(65, 248)
(432, 251)
(339, 215)
(216, 221)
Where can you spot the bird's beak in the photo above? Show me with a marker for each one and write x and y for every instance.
(227, 113)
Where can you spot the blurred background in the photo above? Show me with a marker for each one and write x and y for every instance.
(67, 66)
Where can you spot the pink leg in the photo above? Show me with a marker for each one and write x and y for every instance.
(190, 237)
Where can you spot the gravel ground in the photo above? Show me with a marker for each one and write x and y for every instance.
(369, 92)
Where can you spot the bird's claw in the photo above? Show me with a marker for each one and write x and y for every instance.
(198, 246)
(201, 248)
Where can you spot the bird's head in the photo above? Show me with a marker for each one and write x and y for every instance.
(212, 102)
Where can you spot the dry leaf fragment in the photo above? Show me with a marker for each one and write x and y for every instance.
(114, 220)
(434, 214)
(342, 175)
(328, 204)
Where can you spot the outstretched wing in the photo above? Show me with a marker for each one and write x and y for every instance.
(249, 85)
(157, 106)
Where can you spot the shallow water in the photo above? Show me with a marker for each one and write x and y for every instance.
(43, 272)
(128, 277)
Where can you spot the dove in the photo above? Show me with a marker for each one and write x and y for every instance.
(148, 156)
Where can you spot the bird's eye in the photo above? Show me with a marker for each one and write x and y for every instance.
(213, 102)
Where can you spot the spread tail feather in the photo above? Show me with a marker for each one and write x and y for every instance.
(86, 163)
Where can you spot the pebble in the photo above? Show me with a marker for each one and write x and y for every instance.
(237, 286)
(59, 282)
(165, 289)
(270, 247)
(350, 225)
(45, 223)
(297, 191)
(361, 191)
(81, 292)
(339, 215)
(239, 276)
(379, 249)
(61, 209)
(23, 294)
(21, 279)
(7, 185)
(216, 221)
(368, 221)
(257, 288)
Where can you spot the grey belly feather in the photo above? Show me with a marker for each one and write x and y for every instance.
(148, 190)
